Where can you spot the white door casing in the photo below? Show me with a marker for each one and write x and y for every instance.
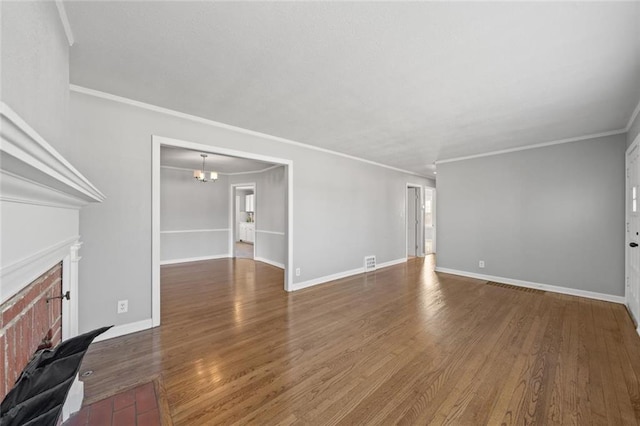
(632, 231)
(414, 211)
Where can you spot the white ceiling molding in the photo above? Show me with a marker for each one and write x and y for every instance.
(539, 145)
(255, 171)
(65, 22)
(155, 108)
(633, 117)
(33, 172)
(222, 173)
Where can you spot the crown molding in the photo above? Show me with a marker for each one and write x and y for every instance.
(527, 147)
(222, 173)
(633, 117)
(195, 118)
(65, 22)
(33, 172)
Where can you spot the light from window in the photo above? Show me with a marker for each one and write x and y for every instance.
(634, 199)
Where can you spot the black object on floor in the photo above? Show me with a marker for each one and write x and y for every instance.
(41, 390)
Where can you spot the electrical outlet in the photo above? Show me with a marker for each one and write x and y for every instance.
(297, 272)
(123, 306)
(481, 264)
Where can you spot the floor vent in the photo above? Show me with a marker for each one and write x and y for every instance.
(515, 287)
(369, 263)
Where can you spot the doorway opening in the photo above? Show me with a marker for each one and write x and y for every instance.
(429, 221)
(243, 220)
(280, 232)
(414, 220)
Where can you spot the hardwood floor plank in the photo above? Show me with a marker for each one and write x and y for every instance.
(401, 345)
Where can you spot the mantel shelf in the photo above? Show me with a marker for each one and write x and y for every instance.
(33, 172)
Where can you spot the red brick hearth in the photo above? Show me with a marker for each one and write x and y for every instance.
(28, 321)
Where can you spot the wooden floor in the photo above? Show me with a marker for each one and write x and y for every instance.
(401, 345)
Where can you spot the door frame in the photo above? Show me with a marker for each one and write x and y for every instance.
(627, 293)
(420, 225)
(159, 141)
(233, 219)
(434, 217)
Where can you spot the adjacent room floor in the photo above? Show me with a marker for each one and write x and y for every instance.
(402, 344)
(244, 250)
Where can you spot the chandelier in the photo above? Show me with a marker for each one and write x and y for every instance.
(201, 175)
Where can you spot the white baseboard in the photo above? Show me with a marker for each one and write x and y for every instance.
(326, 278)
(269, 262)
(391, 263)
(345, 274)
(194, 259)
(121, 330)
(538, 286)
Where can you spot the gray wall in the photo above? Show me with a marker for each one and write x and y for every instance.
(552, 215)
(344, 209)
(634, 130)
(35, 67)
(186, 205)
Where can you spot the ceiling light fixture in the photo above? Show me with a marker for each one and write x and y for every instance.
(201, 175)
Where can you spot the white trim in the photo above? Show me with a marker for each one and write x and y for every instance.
(288, 270)
(260, 231)
(184, 169)
(344, 274)
(65, 22)
(634, 114)
(155, 232)
(15, 276)
(538, 286)
(390, 263)
(194, 259)
(327, 278)
(35, 257)
(150, 107)
(27, 155)
(269, 262)
(627, 290)
(124, 329)
(257, 171)
(184, 231)
(20, 189)
(534, 146)
(420, 244)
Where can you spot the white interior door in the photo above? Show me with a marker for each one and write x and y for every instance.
(632, 291)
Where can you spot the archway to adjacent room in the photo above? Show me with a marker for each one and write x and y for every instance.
(284, 165)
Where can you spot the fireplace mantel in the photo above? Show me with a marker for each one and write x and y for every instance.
(40, 195)
(34, 172)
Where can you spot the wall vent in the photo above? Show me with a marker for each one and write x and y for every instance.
(369, 263)
(514, 287)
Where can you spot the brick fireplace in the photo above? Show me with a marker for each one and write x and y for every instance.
(29, 320)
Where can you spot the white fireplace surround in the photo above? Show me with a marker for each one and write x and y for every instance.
(41, 194)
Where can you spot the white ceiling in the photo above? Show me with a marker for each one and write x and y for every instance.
(191, 160)
(402, 84)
